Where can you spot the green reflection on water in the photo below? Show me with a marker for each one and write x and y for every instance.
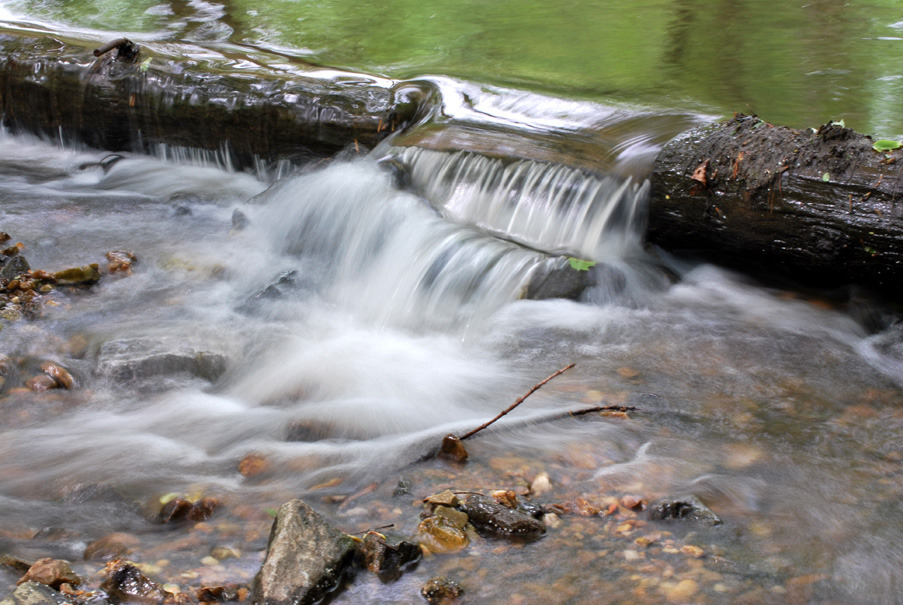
(800, 64)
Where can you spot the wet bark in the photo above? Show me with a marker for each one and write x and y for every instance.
(820, 207)
(63, 90)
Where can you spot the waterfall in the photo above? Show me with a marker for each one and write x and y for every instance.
(549, 207)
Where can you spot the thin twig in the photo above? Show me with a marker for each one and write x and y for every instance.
(603, 408)
(364, 531)
(516, 403)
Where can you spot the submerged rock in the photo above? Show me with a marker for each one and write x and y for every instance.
(388, 557)
(140, 358)
(495, 519)
(13, 266)
(685, 507)
(441, 591)
(306, 557)
(112, 546)
(445, 531)
(34, 593)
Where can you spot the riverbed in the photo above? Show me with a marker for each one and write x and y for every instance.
(315, 330)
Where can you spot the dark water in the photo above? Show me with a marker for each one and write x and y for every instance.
(386, 318)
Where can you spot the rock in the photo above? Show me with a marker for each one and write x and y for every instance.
(541, 485)
(308, 430)
(441, 591)
(305, 558)
(52, 572)
(41, 382)
(20, 566)
(686, 507)
(59, 374)
(111, 546)
(219, 594)
(180, 509)
(239, 220)
(494, 519)
(140, 358)
(126, 584)
(34, 593)
(446, 498)
(452, 449)
(120, 261)
(443, 533)
(388, 557)
(14, 266)
(78, 276)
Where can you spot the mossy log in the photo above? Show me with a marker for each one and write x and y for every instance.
(127, 103)
(821, 207)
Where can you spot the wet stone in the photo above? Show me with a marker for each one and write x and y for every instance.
(142, 358)
(306, 557)
(494, 519)
(78, 276)
(111, 546)
(52, 572)
(442, 534)
(445, 498)
(13, 267)
(20, 566)
(34, 593)
(685, 507)
(441, 591)
(452, 449)
(126, 584)
(388, 557)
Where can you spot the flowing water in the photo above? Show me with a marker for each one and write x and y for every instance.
(310, 331)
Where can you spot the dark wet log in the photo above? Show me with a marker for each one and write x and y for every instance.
(820, 207)
(60, 89)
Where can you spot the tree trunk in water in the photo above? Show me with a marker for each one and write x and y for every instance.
(821, 207)
(126, 103)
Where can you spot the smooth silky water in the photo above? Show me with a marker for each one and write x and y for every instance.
(378, 318)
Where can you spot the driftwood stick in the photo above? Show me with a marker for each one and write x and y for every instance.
(110, 46)
(516, 403)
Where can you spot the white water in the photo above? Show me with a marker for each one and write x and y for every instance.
(399, 326)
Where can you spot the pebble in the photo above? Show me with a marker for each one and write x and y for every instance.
(679, 592)
(541, 485)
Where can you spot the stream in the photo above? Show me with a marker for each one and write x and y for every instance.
(314, 330)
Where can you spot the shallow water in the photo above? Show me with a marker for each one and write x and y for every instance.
(330, 343)
(780, 412)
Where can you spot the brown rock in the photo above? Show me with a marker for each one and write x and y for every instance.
(112, 546)
(441, 591)
(52, 572)
(42, 382)
(452, 449)
(78, 276)
(59, 374)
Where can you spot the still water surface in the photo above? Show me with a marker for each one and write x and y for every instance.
(385, 319)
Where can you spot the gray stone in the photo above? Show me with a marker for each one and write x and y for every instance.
(306, 558)
(13, 266)
(33, 593)
(685, 507)
(145, 357)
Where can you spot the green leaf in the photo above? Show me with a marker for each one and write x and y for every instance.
(580, 265)
(840, 123)
(273, 512)
(145, 65)
(885, 145)
(826, 177)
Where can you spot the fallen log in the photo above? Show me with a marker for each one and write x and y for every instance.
(822, 207)
(132, 101)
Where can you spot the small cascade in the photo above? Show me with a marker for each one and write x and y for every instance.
(549, 207)
(386, 255)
